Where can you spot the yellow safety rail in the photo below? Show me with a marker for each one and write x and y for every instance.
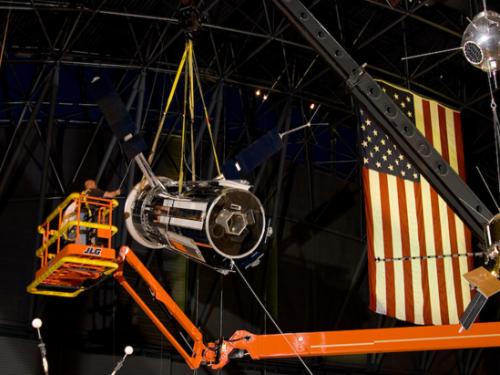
(64, 225)
(76, 250)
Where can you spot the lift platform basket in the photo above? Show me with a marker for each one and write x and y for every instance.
(73, 270)
(76, 251)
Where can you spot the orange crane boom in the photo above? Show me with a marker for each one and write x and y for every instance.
(379, 340)
(362, 341)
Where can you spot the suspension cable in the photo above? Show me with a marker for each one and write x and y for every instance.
(234, 265)
(205, 112)
(167, 106)
(125, 175)
(496, 129)
(191, 109)
(183, 133)
(4, 40)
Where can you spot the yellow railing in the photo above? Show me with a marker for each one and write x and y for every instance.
(65, 224)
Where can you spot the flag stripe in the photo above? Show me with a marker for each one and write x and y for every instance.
(408, 297)
(378, 243)
(443, 147)
(460, 145)
(397, 251)
(447, 263)
(457, 276)
(387, 235)
(424, 264)
(372, 265)
(414, 251)
(449, 125)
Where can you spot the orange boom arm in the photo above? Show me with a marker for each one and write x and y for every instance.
(217, 354)
(192, 359)
(362, 341)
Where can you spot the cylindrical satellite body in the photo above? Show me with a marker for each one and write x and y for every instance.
(481, 41)
(211, 222)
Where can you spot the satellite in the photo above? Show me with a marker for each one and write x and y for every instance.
(481, 42)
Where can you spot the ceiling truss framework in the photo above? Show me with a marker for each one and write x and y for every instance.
(53, 48)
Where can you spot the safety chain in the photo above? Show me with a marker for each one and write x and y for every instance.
(425, 257)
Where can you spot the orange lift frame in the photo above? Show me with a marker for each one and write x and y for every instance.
(379, 340)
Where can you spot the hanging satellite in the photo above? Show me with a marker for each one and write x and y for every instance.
(481, 42)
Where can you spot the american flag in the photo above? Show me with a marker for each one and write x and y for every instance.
(417, 245)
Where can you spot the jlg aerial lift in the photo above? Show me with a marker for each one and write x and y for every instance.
(68, 266)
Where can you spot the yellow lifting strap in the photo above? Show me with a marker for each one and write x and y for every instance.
(183, 133)
(188, 64)
(167, 107)
(191, 109)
